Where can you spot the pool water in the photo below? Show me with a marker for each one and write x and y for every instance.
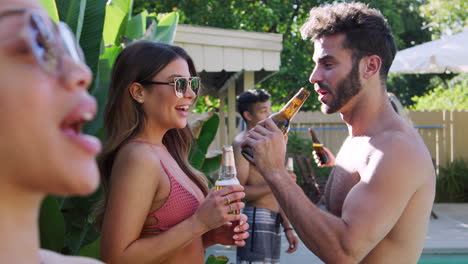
(443, 259)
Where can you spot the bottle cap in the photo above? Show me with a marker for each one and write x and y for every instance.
(290, 164)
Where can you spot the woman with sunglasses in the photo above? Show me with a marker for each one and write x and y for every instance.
(157, 208)
(43, 105)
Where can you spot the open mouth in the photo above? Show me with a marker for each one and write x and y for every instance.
(182, 108)
(73, 123)
(322, 94)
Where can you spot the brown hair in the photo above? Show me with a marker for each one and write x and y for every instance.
(124, 118)
(366, 29)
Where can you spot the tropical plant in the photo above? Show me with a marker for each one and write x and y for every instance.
(102, 29)
(204, 129)
(452, 182)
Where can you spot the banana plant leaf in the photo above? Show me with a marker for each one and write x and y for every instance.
(100, 89)
(210, 167)
(136, 26)
(80, 230)
(72, 12)
(91, 250)
(91, 34)
(51, 224)
(166, 29)
(207, 134)
(51, 9)
(118, 13)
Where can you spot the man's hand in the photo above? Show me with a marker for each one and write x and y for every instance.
(268, 145)
(293, 241)
(331, 159)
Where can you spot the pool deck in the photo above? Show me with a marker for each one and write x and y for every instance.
(447, 235)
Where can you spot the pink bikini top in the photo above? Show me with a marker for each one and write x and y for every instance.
(179, 205)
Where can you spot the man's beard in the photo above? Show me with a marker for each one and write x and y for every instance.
(345, 90)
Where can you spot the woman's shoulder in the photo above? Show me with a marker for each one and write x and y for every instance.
(50, 257)
(136, 160)
(137, 152)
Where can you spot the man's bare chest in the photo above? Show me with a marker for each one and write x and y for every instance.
(346, 173)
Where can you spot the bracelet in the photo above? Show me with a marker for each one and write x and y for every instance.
(286, 229)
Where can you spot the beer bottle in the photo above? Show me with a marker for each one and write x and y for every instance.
(283, 117)
(318, 147)
(227, 172)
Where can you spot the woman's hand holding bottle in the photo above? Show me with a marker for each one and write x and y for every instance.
(215, 210)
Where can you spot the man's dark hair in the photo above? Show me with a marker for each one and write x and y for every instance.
(247, 99)
(366, 29)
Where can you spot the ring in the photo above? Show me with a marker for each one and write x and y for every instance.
(227, 200)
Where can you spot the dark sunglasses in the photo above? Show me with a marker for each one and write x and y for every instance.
(48, 42)
(181, 85)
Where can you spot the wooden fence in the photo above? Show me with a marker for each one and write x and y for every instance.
(443, 132)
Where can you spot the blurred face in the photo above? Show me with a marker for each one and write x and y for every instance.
(336, 76)
(259, 112)
(164, 108)
(44, 103)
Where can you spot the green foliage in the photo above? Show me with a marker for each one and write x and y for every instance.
(286, 17)
(407, 86)
(198, 153)
(216, 260)
(51, 224)
(79, 222)
(51, 8)
(207, 103)
(445, 17)
(452, 183)
(451, 95)
(302, 146)
(207, 134)
(91, 250)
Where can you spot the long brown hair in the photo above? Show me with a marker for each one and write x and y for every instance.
(124, 118)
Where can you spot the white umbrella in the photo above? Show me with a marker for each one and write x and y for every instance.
(438, 56)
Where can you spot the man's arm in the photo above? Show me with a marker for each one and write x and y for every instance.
(252, 192)
(289, 233)
(370, 210)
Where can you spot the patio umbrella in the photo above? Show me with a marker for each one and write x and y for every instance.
(438, 56)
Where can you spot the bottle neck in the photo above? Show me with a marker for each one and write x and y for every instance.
(293, 106)
(314, 137)
(227, 173)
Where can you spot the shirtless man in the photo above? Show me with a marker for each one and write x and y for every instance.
(381, 189)
(261, 208)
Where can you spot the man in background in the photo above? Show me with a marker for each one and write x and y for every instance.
(262, 209)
